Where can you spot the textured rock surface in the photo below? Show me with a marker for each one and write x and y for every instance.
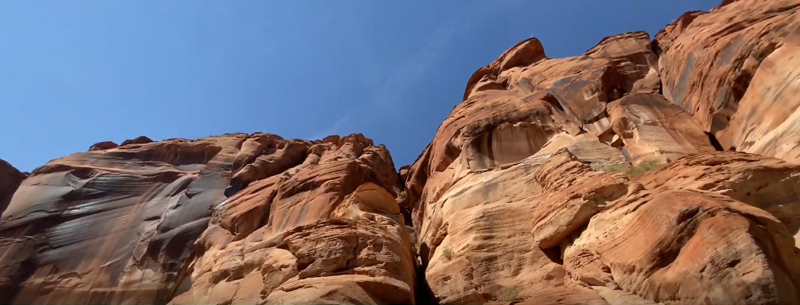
(142, 206)
(699, 248)
(536, 188)
(769, 184)
(652, 128)
(735, 70)
(595, 179)
(326, 231)
(767, 121)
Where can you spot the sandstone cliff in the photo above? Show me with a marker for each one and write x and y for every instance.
(659, 170)
(235, 218)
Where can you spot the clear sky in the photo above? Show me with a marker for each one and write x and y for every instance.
(73, 73)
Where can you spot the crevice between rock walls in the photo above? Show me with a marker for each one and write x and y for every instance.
(423, 293)
(713, 140)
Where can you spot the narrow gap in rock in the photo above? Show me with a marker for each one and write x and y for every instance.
(740, 84)
(656, 48)
(554, 254)
(553, 101)
(405, 203)
(406, 211)
(423, 294)
(10, 289)
(183, 281)
(234, 187)
(714, 142)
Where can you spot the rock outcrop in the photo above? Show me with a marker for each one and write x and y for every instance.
(536, 189)
(735, 70)
(235, 218)
(644, 171)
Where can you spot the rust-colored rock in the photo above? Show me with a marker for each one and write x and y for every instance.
(532, 185)
(595, 179)
(699, 248)
(572, 194)
(735, 70)
(137, 140)
(326, 230)
(210, 221)
(103, 146)
(652, 128)
(686, 240)
(770, 184)
(767, 121)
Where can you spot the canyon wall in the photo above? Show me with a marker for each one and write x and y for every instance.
(648, 170)
(234, 218)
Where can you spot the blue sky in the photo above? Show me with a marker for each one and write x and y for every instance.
(73, 73)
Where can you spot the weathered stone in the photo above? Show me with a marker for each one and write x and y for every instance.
(572, 194)
(687, 247)
(103, 146)
(767, 121)
(536, 189)
(500, 158)
(652, 128)
(769, 184)
(137, 140)
(733, 69)
(141, 208)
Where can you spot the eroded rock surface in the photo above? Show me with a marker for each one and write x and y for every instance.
(234, 218)
(644, 171)
(548, 184)
(735, 70)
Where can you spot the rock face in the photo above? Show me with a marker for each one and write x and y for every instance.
(235, 218)
(735, 70)
(544, 185)
(663, 171)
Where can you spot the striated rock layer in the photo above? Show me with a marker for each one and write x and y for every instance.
(235, 218)
(548, 184)
(644, 171)
(735, 69)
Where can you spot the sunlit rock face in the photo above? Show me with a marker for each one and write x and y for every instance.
(647, 170)
(549, 184)
(735, 70)
(209, 221)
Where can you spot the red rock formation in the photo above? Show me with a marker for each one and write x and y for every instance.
(586, 180)
(131, 225)
(734, 69)
(535, 189)
(103, 146)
